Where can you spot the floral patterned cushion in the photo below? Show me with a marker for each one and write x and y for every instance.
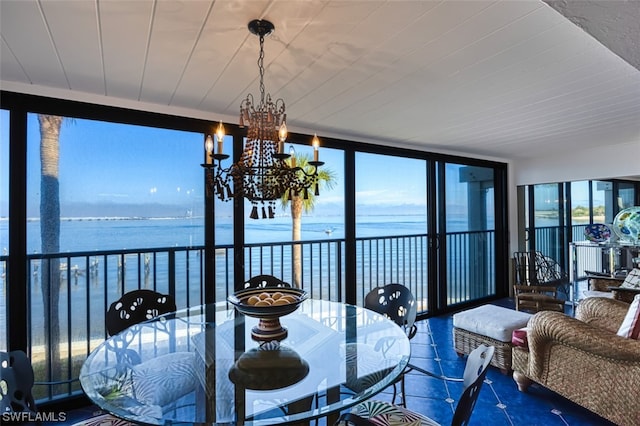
(386, 414)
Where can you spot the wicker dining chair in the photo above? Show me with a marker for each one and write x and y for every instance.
(539, 282)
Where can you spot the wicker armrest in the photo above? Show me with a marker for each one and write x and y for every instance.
(602, 312)
(624, 294)
(603, 283)
(549, 328)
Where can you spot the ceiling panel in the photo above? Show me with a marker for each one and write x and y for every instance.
(124, 32)
(26, 39)
(504, 79)
(81, 57)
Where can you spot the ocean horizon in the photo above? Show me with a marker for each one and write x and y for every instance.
(80, 234)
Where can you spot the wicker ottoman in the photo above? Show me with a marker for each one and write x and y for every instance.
(491, 325)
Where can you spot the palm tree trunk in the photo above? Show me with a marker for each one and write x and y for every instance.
(296, 217)
(50, 237)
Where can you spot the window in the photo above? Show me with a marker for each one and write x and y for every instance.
(114, 176)
(391, 223)
(4, 219)
(468, 196)
(117, 190)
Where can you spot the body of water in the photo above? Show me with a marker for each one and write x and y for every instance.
(99, 234)
(88, 293)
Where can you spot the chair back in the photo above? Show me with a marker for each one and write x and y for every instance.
(264, 281)
(135, 307)
(474, 374)
(534, 268)
(396, 302)
(16, 379)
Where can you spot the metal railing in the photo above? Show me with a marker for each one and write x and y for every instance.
(548, 240)
(91, 281)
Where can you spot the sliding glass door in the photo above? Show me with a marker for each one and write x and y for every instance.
(466, 233)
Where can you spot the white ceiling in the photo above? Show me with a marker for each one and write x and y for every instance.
(498, 79)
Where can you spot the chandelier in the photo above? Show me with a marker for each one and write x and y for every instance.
(264, 173)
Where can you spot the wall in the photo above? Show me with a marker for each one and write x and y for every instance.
(605, 162)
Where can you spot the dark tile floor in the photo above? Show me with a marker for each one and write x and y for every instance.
(499, 402)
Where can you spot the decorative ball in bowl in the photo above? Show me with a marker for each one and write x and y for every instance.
(268, 304)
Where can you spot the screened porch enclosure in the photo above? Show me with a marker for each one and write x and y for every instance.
(137, 216)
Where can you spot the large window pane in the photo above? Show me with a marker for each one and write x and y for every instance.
(120, 186)
(626, 195)
(322, 216)
(317, 222)
(391, 224)
(603, 202)
(390, 196)
(547, 220)
(470, 238)
(4, 222)
(95, 187)
(580, 213)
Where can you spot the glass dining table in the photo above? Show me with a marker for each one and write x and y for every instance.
(201, 366)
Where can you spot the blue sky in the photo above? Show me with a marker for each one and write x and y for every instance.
(105, 163)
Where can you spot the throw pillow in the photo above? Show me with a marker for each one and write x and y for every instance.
(519, 337)
(632, 280)
(630, 327)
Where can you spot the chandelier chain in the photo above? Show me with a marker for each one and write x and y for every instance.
(261, 69)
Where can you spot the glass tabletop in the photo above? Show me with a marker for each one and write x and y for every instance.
(201, 366)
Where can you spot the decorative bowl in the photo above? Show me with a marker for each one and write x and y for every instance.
(269, 327)
(597, 232)
(626, 225)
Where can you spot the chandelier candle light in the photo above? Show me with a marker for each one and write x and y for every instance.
(262, 174)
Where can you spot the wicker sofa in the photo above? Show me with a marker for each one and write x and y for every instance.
(584, 359)
(624, 288)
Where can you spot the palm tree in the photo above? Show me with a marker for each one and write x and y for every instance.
(50, 235)
(326, 180)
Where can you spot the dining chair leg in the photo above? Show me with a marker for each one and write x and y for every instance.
(403, 401)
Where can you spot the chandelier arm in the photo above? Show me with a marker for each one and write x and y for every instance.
(309, 174)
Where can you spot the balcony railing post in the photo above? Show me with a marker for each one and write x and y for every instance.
(172, 273)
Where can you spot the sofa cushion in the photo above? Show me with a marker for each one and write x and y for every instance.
(630, 327)
(632, 280)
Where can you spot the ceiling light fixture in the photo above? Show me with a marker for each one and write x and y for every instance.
(262, 175)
